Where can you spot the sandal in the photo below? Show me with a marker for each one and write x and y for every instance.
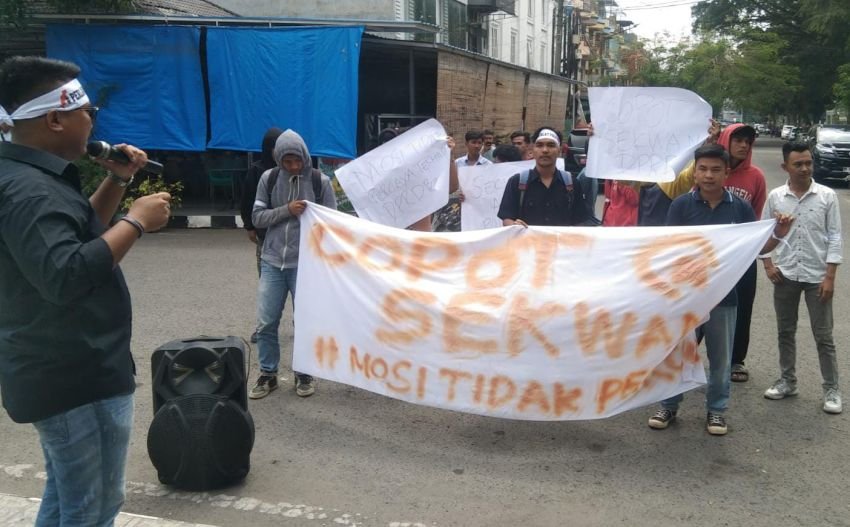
(740, 373)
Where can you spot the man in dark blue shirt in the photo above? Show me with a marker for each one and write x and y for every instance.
(710, 204)
(65, 319)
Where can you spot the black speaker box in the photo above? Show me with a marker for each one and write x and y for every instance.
(202, 434)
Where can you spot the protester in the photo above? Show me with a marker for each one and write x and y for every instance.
(282, 196)
(65, 311)
(655, 198)
(487, 144)
(805, 265)
(507, 154)
(621, 203)
(747, 182)
(711, 204)
(522, 140)
(249, 193)
(474, 140)
(543, 195)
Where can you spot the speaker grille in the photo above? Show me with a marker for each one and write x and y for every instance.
(201, 442)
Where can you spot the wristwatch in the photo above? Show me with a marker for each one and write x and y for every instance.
(121, 182)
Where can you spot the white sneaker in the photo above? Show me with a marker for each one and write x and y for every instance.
(780, 390)
(832, 401)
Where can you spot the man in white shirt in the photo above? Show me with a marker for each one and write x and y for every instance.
(474, 139)
(805, 263)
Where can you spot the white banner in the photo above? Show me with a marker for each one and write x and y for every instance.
(403, 180)
(483, 187)
(644, 134)
(538, 324)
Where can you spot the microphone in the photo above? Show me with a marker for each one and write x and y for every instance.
(103, 150)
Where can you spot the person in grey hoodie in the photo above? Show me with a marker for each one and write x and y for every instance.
(282, 196)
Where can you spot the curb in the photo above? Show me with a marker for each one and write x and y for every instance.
(205, 222)
(17, 511)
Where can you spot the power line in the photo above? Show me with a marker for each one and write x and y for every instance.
(661, 5)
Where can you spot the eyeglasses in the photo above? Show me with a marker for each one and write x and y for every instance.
(91, 110)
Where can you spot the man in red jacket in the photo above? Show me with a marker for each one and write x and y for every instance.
(747, 182)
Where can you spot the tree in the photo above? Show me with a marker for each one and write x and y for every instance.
(842, 87)
(814, 33)
(760, 81)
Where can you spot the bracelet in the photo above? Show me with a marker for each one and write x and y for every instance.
(135, 223)
(118, 180)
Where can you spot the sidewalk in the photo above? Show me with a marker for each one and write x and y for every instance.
(16, 511)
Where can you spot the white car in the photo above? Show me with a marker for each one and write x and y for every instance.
(786, 131)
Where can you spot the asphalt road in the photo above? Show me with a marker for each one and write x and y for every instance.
(347, 457)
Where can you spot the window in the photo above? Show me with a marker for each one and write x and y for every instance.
(494, 42)
(530, 53)
(457, 24)
(544, 11)
(514, 45)
(543, 66)
(531, 9)
(424, 11)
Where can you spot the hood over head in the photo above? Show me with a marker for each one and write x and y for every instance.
(290, 142)
(267, 147)
(738, 129)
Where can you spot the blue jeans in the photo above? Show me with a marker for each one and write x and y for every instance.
(719, 333)
(85, 454)
(275, 285)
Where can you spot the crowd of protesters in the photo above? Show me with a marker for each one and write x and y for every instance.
(65, 318)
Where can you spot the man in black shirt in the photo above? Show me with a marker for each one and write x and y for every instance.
(65, 318)
(544, 195)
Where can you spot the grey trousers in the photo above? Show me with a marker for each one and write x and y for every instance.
(786, 302)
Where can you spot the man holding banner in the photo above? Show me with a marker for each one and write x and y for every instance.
(805, 266)
(543, 195)
(711, 204)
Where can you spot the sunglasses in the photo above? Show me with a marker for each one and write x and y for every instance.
(91, 110)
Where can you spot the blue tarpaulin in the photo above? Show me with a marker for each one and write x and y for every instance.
(299, 78)
(147, 81)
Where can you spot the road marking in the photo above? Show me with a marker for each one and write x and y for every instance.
(226, 501)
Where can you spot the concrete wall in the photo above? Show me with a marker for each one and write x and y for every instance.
(361, 9)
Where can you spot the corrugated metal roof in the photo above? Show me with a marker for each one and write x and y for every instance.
(146, 7)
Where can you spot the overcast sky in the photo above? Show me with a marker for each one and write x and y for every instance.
(656, 16)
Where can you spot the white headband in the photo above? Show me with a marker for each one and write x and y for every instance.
(548, 134)
(67, 97)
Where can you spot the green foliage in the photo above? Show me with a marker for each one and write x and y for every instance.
(91, 174)
(808, 37)
(343, 204)
(842, 87)
(152, 185)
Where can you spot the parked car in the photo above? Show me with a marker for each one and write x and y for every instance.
(831, 152)
(574, 150)
(786, 132)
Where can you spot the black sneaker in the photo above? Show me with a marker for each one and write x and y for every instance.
(716, 424)
(305, 385)
(265, 385)
(662, 419)
(254, 337)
